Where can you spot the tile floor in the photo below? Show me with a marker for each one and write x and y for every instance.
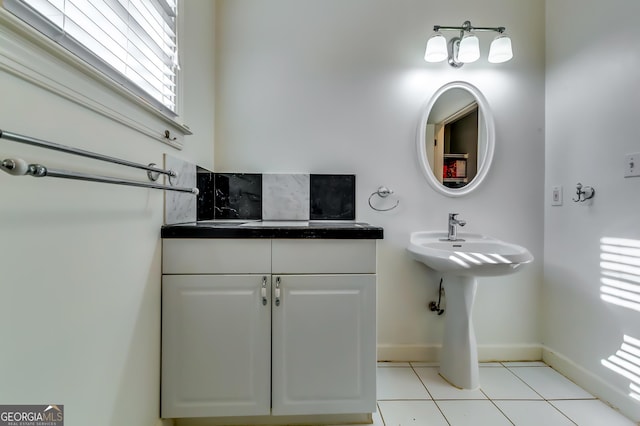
(511, 393)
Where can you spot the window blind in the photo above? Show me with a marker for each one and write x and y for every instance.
(132, 41)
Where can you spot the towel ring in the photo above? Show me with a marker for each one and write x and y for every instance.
(382, 192)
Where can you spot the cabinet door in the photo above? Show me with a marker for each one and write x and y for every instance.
(324, 344)
(216, 349)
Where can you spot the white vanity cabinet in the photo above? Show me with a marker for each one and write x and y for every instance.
(216, 342)
(323, 329)
(216, 331)
(294, 335)
(323, 345)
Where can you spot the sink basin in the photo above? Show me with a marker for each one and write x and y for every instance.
(226, 221)
(303, 223)
(471, 255)
(278, 223)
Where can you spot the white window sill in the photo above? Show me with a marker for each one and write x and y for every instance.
(31, 56)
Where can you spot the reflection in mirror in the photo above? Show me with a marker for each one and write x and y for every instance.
(452, 138)
(455, 139)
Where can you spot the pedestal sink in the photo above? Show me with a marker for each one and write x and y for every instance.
(460, 262)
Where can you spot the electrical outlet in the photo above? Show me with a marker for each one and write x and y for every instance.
(556, 195)
(632, 165)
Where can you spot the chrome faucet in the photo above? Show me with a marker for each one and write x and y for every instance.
(453, 230)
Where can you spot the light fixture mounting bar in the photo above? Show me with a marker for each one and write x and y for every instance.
(466, 26)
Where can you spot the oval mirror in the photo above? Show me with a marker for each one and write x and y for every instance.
(456, 139)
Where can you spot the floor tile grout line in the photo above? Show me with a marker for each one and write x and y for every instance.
(462, 399)
(544, 399)
(573, 399)
(384, 423)
(484, 393)
(450, 399)
(531, 400)
(556, 371)
(487, 398)
(523, 362)
(442, 412)
(427, 389)
(421, 382)
(561, 412)
(406, 399)
(503, 413)
(527, 384)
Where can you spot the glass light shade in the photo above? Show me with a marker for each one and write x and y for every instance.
(500, 50)
(469, 50)
(436, 48)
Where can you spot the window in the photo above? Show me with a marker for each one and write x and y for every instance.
(132, 41)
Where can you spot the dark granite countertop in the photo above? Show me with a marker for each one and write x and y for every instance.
(273, 229)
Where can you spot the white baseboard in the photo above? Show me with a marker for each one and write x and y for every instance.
(519, 352)
(486, 353)
(405, 353)
(592, 383)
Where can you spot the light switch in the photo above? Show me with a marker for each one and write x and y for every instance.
(632, 165)
(556, 195)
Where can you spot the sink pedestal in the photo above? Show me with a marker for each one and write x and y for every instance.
(459, 354)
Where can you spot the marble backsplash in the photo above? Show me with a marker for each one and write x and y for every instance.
(255, 196)
(285, 197)
(275, 196)
(333, 197)
(180, 207)
(237, 196)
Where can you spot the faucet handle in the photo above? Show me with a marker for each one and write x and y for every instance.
(454, 221)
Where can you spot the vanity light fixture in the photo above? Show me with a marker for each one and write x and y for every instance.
(466, 48)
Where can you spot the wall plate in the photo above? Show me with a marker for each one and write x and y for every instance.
(632, 165)
(556, 195)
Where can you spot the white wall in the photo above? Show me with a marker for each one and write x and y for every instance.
(592, 99)
(336, 86)
(80, 262)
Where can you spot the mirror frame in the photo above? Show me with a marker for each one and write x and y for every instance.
(486, 155)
